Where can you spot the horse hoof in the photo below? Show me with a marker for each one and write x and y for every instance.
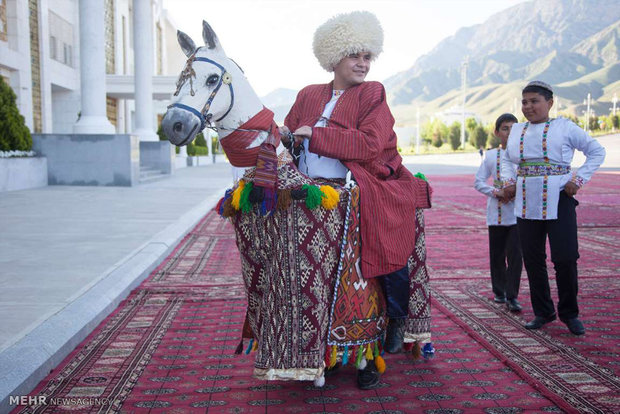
(319, 382)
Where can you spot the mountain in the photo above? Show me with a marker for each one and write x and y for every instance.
(572, 44)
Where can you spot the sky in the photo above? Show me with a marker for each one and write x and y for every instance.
(272, 39)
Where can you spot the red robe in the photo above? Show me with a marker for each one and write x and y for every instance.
(360, 134)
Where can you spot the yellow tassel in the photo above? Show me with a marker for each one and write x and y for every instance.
(369, 355)
(416, 351)
(380, 364)
(333, 357)
(236, 196)
(331, 199)
(255, 346)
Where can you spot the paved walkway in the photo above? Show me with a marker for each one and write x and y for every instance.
(69, 255)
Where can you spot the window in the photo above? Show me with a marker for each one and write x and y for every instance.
(61, 36)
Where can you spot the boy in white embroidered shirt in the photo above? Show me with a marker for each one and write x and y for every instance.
(545, 187)
(503, 236)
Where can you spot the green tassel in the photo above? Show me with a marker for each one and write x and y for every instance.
(313, 200)
(420, 176)
(244, 202)
(376, 349)
(360, 354)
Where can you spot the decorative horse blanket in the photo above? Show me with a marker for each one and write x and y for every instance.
(303, 286)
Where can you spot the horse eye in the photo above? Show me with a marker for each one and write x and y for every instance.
(212, 80)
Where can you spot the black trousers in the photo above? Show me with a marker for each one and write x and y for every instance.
(505, 261)
(562, 234)
(396, 290)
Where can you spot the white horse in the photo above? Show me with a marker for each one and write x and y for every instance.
(297, 281)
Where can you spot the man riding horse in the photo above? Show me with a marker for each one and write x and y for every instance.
(311, 294)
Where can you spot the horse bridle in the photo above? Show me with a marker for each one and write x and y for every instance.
(203, 115)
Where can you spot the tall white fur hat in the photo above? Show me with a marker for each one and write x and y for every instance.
(344, 34)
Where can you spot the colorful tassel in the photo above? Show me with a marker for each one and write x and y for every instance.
(254, 346)
(227, 209)
(420, 176)
(376, 353)
(284, 200)
(428, 350)
(333, 357)
(236, 196)
(345, 355)
(331, 199)
(313, 199)
(244, 200)
(380, 364)
(408, 346)
(369, 355)
(239, 349)
(328, 355)
(249, 348)
(416, 352)
(220, 205)
(270, 199)
(358, 359)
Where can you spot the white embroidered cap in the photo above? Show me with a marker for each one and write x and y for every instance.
(345, 34)
(540, 84)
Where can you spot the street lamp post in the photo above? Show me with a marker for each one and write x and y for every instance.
(464, 89)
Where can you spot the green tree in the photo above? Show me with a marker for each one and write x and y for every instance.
(455, 135)
(470, 126)
(200, 140)
(615, 121)
(493, 141)
(479, 136)
(14, 134)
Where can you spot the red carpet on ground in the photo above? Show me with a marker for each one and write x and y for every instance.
(169, 347)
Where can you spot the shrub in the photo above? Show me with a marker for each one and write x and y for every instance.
(479, 137)
(14, 134)
(200, 140)
(455, 135)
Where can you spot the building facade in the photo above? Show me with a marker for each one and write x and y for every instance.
(40, 59)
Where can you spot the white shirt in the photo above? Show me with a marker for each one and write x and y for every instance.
(563, 138)
(314, 165)
(498, 214)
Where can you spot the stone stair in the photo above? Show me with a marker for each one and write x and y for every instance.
(150, 174)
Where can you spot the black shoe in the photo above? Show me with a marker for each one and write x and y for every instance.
(368, 378)
(499, 299)
(575, 326)
(332, 371)
(395, 336)
(539, 321)
(513, 305)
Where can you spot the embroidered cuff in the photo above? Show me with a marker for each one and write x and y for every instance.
(578, 180)
(509, 182)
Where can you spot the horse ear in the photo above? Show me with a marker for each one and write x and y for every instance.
(186, 42)
(209, 36)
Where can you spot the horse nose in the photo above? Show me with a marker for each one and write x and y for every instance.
(177, 127)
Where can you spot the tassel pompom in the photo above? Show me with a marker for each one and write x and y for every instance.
(270, 199)
(416, 352)
(236, 195)
(239, 349)
(428, 351)
(220, 205)
(249, 348)
(227, 209)
(328, 356)
(244, 200)
(331, 199)
(333, 358)
(358, 357)
(369, 355)
(320, 381)
(345, 355)
(380, 364)
(420, 176)
(314, 197)
(284, 200)
(362, 365)
(257, 194)
(254, 346)
(408, 346)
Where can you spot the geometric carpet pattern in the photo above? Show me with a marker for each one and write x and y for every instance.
(169, 347)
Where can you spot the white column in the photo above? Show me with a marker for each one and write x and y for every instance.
(93, 119)
(143, 75)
